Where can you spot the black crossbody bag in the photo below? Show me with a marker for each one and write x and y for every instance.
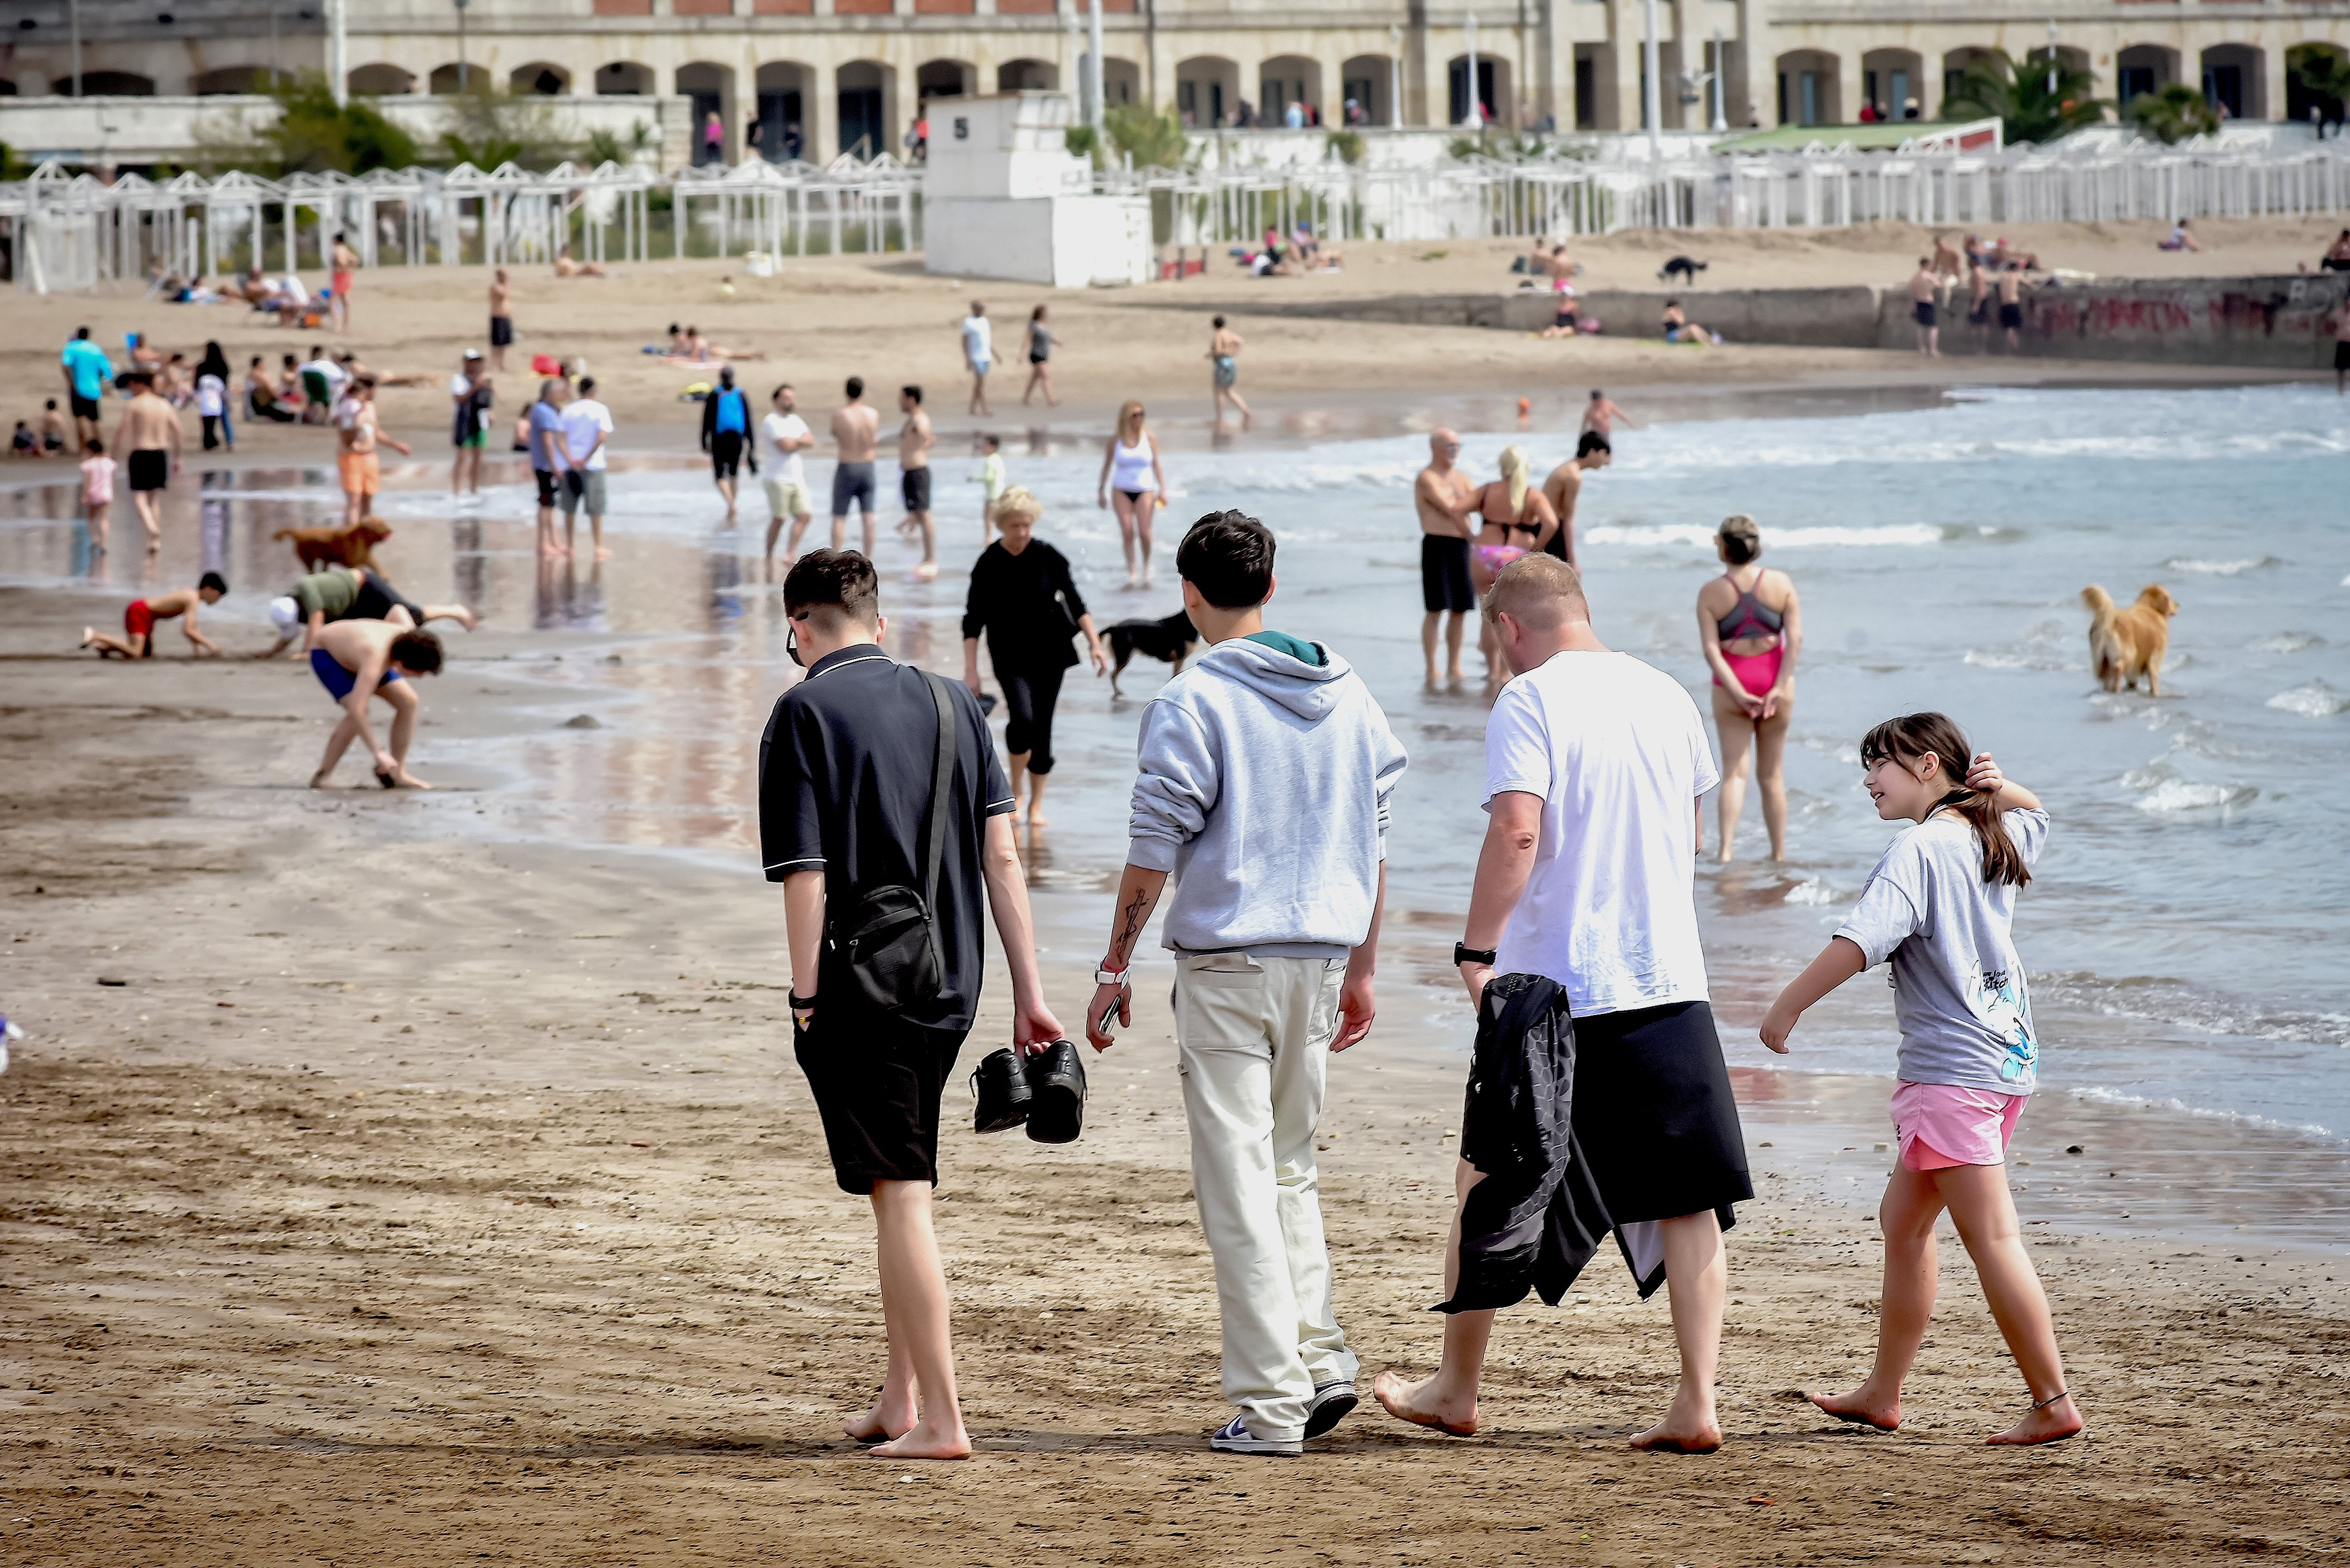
(886, 939)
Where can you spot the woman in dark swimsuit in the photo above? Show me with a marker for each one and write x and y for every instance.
(1518, 519)
(1750, 627)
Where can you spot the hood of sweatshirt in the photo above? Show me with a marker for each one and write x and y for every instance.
(1308, 691)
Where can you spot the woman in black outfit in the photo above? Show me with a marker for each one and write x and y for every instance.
(1024, 598)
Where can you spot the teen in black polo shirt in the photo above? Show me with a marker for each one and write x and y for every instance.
(844, 777)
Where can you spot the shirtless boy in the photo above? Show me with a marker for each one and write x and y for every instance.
(1443, 495)
(140, 615)
(856, 432)
(1925, 291)
(1565, 488)
(501, 320)
(914, 443)
(359, 660)
(2011, 307)
(148, 432)
(1224, 347)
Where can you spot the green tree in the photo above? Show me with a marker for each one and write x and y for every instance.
(604, 146)
(312, 134)
(2018, 94)
(1153, 138)
(2172, 114)
(488, 127)
(2323, 74)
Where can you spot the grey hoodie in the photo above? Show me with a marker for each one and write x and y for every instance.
(1264, 789)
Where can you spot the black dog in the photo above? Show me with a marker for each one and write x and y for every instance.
(1169, 640)
(1687, 269)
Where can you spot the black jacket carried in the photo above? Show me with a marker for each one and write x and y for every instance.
(1537, 1218)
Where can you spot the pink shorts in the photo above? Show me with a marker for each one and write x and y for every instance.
(1943, 1125)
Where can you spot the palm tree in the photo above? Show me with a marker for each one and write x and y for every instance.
(2019, 94)
(2172, 113)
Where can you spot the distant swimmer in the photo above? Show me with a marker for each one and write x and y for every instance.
(1563, 488)
(1600, 414)
(146, 440)
(856, 432)
(140, 615)
(1444, 497)
(358, 661)
(1224, 347)
(914, 443)
(1925, 290)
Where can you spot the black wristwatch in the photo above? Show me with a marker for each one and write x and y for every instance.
(1463, 953)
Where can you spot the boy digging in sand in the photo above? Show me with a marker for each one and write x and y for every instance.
(140, 615)
(357, 661)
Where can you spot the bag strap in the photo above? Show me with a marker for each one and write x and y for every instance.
(934, 840)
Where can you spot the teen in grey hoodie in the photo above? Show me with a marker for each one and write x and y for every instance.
(1266, 774)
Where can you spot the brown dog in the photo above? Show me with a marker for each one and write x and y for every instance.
(337, 545)
(2125, 644)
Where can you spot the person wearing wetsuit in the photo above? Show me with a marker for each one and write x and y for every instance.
(1750, 627)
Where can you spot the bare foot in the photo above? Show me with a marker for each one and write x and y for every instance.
(89, 636)
(928, 1440)
(926, 571)
(889, 1418)
(1883, 1416)
(1037, 820)
(464, 617)
(319, 780)
(1417, 1404)
(2050, 1423)
(602, 554)
(1689, 1427)
(404, 779)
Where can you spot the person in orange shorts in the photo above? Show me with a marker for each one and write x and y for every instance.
(140, 615)
(362, 469)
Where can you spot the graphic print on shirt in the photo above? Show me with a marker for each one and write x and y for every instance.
(2001, 1007)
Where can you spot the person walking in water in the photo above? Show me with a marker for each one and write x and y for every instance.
(915, 441)
(1563, 489)
(1517, 519)
(1024, 601)
(787, 437)
(1224, 347)
(1133, 481)
(856, 432)
(146, 440)
(1595, 765)
(1267, 773)
(725, 430)
(1599, 417)
(978, 356)
(583, 447)
(1041, 343)
(1444, 498)
(1940, 910)
(1750, 626)
(470, 399)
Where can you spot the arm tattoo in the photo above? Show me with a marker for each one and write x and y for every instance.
(1130, 923)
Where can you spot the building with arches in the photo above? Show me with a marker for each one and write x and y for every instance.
(813, 78)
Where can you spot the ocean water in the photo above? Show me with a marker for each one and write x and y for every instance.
(2187, 934)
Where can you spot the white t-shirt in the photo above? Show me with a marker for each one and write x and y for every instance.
(779, 429)
(210, 393)
(978, 339)
(581, 422)
(1619, 755)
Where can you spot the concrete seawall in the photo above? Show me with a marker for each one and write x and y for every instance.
(2277, 322)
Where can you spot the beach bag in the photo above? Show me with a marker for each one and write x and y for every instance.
(886, 938)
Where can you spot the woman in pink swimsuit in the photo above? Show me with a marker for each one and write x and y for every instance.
(1751, 628)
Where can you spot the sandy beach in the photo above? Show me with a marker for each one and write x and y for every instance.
(355, 1207)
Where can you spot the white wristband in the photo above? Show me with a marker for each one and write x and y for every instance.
(1111, 976)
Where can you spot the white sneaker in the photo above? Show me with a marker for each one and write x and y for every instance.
(1236, 1438)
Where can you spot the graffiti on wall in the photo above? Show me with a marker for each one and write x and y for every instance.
(2207, 312)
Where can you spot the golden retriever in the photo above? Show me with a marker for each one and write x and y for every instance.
(2125, 644)
(335, 545)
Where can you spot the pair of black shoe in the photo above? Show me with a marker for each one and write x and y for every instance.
(1046, 1092)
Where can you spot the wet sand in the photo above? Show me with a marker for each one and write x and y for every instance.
(356, 1206)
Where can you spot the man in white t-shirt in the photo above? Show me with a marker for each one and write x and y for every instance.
(1595, 765)
(586, 430)
(979, 354)
(787, 436)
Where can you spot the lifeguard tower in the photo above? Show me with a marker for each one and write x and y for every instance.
(1003, 197)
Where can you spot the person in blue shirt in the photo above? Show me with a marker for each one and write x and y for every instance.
(725, 427)
(87, 373)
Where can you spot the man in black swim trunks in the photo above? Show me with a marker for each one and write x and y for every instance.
(846, 770)
(149, 433)
(1443, 496)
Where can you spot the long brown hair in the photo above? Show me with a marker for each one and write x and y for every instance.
(1916, 735)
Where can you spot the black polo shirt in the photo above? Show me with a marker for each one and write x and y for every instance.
(844, 786)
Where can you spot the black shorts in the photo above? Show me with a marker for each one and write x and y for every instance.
(2341, 355)
(1563, 318)
(1444, 582)
(1655, 1115)
(2011, 316)
(1924, 311)
(150, 469)
(546, 477)
(83, 407)
(914, 489)
(377, 599)
(877, 1083)
(852, 481)
(501, 331)
(726, 452)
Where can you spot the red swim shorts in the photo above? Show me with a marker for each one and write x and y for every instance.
(138, 619)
